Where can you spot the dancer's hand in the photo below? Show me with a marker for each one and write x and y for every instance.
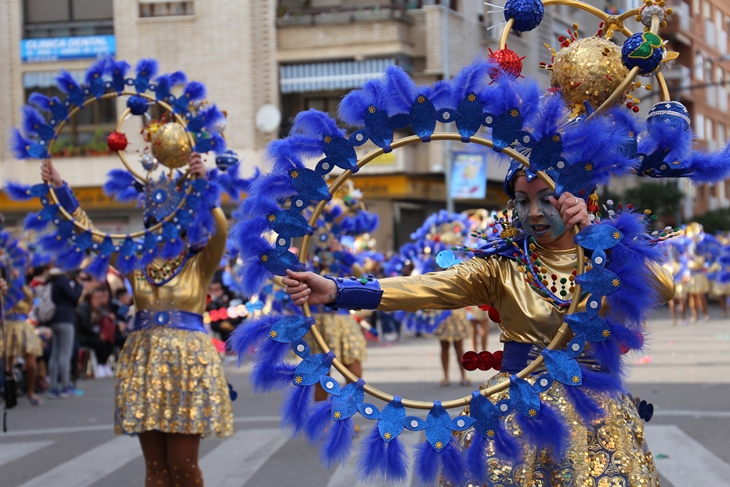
(309, 287)
(50, 175)
(573, 210)
(197, 168)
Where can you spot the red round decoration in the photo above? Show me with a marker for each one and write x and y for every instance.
(117, 141)
(497, 360)
(494, 315)
(485, 360)
(470, 361)
(484, 307)
(507, 60)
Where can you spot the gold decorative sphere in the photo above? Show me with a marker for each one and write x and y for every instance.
(589, 69)
(171, 145)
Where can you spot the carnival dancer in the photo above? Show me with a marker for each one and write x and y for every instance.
(20, 338)
(527, 318)
(170, 388)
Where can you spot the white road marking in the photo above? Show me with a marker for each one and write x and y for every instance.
(91, 466)
(12, 451)
(236, 460)
(346, 475)
(687, 462)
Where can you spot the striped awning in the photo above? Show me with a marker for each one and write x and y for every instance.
(46, 79)
(299, 78)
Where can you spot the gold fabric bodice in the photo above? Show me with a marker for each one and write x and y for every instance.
(526, 316)
(188, 289)
(23, 306)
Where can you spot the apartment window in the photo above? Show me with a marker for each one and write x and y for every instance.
(695, 8)
(709, 128)
(721, 131)
(453, 4)
(152, 8)
(700, 125)
(699, 67)
(84, 134)
(713, 191)
(67, 18)
(706, 10)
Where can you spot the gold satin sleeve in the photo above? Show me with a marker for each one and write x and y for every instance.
(24, 305)
(210, 257)
(470, 283)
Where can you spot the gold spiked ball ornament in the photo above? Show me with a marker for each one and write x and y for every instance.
(588, 69)
(171, 145)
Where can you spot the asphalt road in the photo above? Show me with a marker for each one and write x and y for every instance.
(70, 443)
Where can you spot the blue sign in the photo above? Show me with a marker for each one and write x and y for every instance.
(468, 176)
(61, 48)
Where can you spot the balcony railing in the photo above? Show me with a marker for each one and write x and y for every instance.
(290, 13)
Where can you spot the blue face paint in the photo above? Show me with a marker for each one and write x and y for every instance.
(543, 223)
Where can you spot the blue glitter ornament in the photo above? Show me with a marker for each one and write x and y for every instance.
(643, 49)
(669, 114)
(527, 14)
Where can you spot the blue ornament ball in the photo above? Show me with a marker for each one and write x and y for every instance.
(644, 50)
(226, 160)
(668, 114)
(137, 105)
(527, 14)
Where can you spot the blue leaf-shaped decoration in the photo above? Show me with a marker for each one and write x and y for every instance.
(340, 152)
(471, 116)
(506, 127)
(390, 424)
(563, 367)
(301, 349)
(598, 259)
(348, 401)
(414, 423)
(461, 423)
(423, 114)
(289, 225)
(329, 385)
(311, 368)
(603, 236)
(277, 262)
(290, 328)
(593, 328)
(523, 397)
(599, 283)
(369, 411)
(438, 426)
(544, 153)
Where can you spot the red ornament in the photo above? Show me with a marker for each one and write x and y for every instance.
(117, 141)
(485, 361)
(507, 60)
(497, 360)
(470, 361)
(494, 315)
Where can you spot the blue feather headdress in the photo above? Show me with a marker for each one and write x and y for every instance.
(14, 260)
(191, 201)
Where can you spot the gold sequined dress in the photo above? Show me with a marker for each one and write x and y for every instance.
(343, 335)
(609, 453)
(168, 379)
(455, 328)
(22, 339)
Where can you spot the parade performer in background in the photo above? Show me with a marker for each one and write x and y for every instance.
(698, 285)
(170, 389)
(570, 306)
(20, 339)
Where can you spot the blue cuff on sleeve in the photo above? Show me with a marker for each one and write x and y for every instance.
(357, 293)
(66, 198)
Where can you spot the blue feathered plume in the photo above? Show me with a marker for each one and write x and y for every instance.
(95, 78)
(709, 168)
(471, 79)
(379, 460)
(547, 430)
(22, 192)
(35, 124)
(246, 337)
(193, 91)
(296, 408)
(117, 70)
(318, 420)
(166, 82)
(146, 69)
(356, 104)
(214, 142)
(58, 110)
(338, 442)
(67, 84)
(401, 90)
(121, 185)
(23, 148)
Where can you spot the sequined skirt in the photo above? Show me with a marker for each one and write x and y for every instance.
(454, 328)
(611, 452)
(718, 289)
(21, 339)
(477, 314)
(698, 284)
(171, 381)
(343, 335)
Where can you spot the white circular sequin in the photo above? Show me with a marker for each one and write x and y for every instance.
(641, 158)
(368, 410)
(359, 137)
(544, 382)
(460, 423)
(326, 166)
(663, 167)
(414, 424)
(526, 139)
(300, 348)
(609, 202)
(282, 241)
(300, 203)
(560, 164)
(488, 119)
(330, 385)
(575, 347)
(598, 260)
(447, 116)
(594, 304)
(504, 408)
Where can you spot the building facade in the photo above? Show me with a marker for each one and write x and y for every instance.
(293, 54)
